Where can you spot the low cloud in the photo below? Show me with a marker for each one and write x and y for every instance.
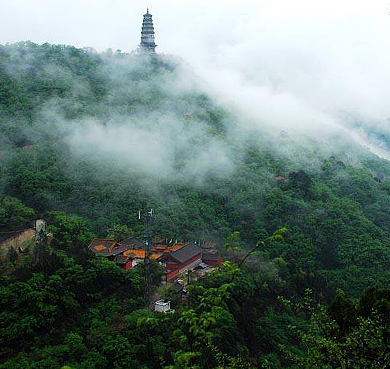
(169, 149)
(311, 68)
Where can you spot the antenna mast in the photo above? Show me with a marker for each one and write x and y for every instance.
(147, 244)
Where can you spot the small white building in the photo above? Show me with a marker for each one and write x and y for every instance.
(162, 306)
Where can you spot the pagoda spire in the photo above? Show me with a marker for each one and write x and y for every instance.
(147, 34)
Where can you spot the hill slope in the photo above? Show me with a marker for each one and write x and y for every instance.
(88, 139)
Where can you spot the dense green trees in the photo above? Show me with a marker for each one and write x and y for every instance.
(348, 334)
(220, 181)
(40, 310)
(14, 215)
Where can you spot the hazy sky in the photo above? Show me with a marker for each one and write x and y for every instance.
(300, 63)
(182, 25)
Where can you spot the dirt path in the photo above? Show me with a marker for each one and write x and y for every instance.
(18, 240)
(155, 296)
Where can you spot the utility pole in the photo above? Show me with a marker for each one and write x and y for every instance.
(147, 243)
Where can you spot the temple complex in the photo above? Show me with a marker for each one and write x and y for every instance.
(147, 34)
(177, 258)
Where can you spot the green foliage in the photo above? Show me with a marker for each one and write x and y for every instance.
(348, 335)
(12, 255)
(232, 243)
(13, 214)
(119, 232)
(41, 309)
(86, 312)
(70, 231)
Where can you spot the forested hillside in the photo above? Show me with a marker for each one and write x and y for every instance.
(88, 139)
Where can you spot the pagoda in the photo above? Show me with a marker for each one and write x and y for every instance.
(147, 34)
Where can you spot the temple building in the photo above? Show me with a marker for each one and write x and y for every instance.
(177, 258)
(147, 34)
(180, 261)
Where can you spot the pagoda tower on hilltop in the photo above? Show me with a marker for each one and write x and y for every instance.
(147, 34)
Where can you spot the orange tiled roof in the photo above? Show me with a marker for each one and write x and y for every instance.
(102, 246)
(99, 247)
(139, 254)
(175, 247)
(163, 248)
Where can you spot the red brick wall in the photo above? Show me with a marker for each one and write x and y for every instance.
(214, 263)
(128, 265)
(174, 269)
(172, 274)
(188, 262)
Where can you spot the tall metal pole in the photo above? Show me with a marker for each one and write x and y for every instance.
(148, 236)
(147, 243)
